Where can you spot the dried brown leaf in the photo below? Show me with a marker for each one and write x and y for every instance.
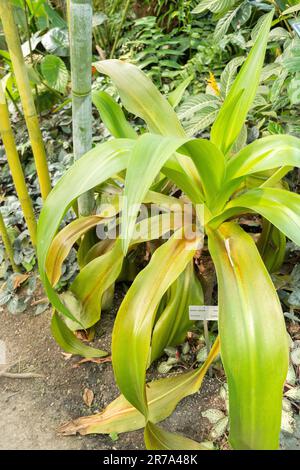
(19, 279)
(88, 396)
(96, 360)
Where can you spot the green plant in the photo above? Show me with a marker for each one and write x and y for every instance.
(215, 179)
(231, 14)
(274, 109)
(171, 11)
(153, 50)
(44, 51)
(235, 15)
(198, 112)
(37, 15)
(45, 47)
(22, 79)
(109, 24)
(170, 57)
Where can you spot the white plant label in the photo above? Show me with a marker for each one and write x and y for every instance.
(296, 27)
(203, 312)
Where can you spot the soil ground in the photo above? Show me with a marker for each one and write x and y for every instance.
(31, 410)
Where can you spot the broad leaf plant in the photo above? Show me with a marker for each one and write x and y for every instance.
(224, 183)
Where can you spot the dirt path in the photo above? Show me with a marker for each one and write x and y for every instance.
(31, 410)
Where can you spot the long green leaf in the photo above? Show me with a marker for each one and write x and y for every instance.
(63, 242)
(112, 116)
(92, 169)
(160, 439)
(172, 325)
(101, 273)
(93, 280)
(216, 6)
(280, 207)
(176, 95)
(230, 120)
(134, 322)
(210, 163)
(195, 104)
(253, 339)
(150, 228)
(68, 341)
(55, 72)
(272, 246)
(141, 97)
(149, 155)
(265, 154)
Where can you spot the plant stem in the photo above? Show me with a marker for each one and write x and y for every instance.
(29, 39)
(16, 167)
(14, 103)
(80, 33)
(125, 11)
(7, 243)
(30, 114)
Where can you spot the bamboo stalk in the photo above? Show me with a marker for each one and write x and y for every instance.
(7, 243)
(29, 38)
(30, 114)
(16, 167)
(80, 33)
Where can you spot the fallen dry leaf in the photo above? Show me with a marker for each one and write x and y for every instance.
(96, 360)
(85, 335)
(66, 356)
(19, 279)
(88, 396)
(294, 329)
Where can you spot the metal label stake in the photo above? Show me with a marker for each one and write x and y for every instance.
(204, 313)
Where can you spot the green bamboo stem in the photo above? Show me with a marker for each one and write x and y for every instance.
(16, 167)
(80, 34)
(7, 243)
(30, 114)
(29, 39)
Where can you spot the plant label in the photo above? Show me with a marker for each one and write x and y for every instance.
(296, 27)
(203, 312)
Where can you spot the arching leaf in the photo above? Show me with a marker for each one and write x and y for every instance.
(143, 99)
(254, 347)
(68, 341)
(92, 169)
(265, 154)
(280, 207)
(112, 116)
(134, 322)
(231, 118)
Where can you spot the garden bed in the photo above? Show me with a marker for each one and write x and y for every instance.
(32, 409)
